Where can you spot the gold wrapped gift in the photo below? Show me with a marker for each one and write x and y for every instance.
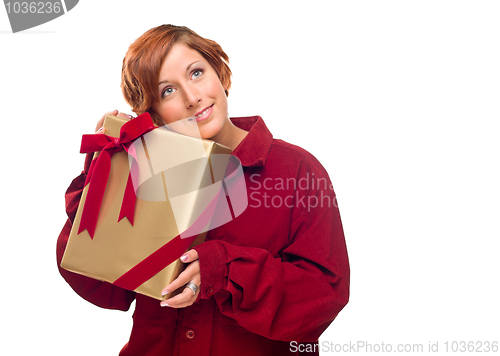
(176, 180)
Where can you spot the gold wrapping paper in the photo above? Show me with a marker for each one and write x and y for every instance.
(118, 246)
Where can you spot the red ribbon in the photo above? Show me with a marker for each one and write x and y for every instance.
(98, 174)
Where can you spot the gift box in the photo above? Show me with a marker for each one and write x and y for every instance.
(151, 194)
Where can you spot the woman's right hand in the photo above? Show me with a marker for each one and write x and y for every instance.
(99, 129)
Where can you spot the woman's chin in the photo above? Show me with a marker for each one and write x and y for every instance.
(211, 130)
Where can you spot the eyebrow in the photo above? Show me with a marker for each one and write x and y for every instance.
(187, 70)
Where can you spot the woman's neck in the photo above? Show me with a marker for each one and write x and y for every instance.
(230, 135)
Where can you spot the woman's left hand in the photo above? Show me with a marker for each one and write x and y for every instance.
(190, 274)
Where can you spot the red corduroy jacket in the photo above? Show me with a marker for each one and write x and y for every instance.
(277, 273)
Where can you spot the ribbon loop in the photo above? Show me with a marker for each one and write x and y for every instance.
(98, 177)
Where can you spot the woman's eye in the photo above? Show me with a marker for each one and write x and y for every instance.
(197, 73)
(168, 91)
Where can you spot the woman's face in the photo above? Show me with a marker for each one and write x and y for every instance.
(190, 89)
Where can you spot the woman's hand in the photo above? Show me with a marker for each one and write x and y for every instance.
(99, 129)
(190, 274)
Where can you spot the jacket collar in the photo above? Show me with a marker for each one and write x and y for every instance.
(254, 148)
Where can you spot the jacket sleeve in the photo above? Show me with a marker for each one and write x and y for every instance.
(293, 296)
(102, 294)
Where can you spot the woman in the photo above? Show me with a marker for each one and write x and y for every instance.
(268, 282)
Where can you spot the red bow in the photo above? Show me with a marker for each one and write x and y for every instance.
(98, 174)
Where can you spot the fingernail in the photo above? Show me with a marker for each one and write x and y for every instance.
(129, 116)
(165, 292)
(164, 304)
(102, 128)
(184, 257)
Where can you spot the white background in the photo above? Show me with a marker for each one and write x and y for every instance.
(399, 100)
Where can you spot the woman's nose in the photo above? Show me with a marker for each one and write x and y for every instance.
(192, 97)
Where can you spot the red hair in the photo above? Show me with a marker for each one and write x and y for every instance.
(144, 58)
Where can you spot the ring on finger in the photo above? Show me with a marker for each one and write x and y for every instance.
(192, 286)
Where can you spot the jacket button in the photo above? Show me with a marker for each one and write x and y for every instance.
(190, 334)
(210, 291)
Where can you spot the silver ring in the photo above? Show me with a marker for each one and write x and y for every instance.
(193, 287)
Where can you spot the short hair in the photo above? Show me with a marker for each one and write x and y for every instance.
(144, 58)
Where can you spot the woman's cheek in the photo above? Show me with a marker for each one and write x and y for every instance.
(170, 113)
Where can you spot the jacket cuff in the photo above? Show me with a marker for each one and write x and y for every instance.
(213, 268)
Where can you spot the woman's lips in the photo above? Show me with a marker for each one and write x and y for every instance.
(203, 115)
